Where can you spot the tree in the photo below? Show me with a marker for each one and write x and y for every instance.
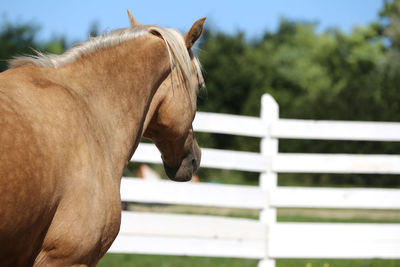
(19, 39)
(328, 75)
(15, 39)
(389, 68)
(390, 22)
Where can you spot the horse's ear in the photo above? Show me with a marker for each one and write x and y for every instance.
(132, 20)
(194, 33)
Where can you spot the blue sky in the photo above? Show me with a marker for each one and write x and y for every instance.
(73, 18)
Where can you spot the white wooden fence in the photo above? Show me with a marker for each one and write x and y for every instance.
(266, 239)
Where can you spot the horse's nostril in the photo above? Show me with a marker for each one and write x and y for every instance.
(194, 165)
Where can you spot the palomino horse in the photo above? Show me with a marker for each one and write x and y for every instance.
(69, 125)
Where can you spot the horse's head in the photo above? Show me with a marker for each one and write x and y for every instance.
(169, 120)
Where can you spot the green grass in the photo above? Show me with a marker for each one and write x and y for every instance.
(129, 260)
(336, 263)
(284, 214)
(332, 220)
(338, 215)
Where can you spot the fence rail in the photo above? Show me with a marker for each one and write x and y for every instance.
(285, 162)
(336, 163)
(198, 194)
(336, 198)
(297, 129)
(334, 240)
(336, 130)
(253, 197)
(265, 238)
(197, 235)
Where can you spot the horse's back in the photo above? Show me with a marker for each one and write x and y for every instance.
(30, 158)
(22, 191)
(48, 178)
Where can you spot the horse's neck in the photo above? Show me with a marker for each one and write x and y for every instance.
(118, 85)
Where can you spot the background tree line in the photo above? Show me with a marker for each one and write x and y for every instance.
(311, 74)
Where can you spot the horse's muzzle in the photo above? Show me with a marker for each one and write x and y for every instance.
(189, 165)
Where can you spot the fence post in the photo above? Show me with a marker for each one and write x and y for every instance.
(268, 179)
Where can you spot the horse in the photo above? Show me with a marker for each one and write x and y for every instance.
(69, 125)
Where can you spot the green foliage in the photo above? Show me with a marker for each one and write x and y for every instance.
(390, 15)
(329, 75)
(307, 73)
(18, 39)
(55, 47)
(15, 39)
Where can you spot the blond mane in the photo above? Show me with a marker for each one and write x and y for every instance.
(178, 53)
